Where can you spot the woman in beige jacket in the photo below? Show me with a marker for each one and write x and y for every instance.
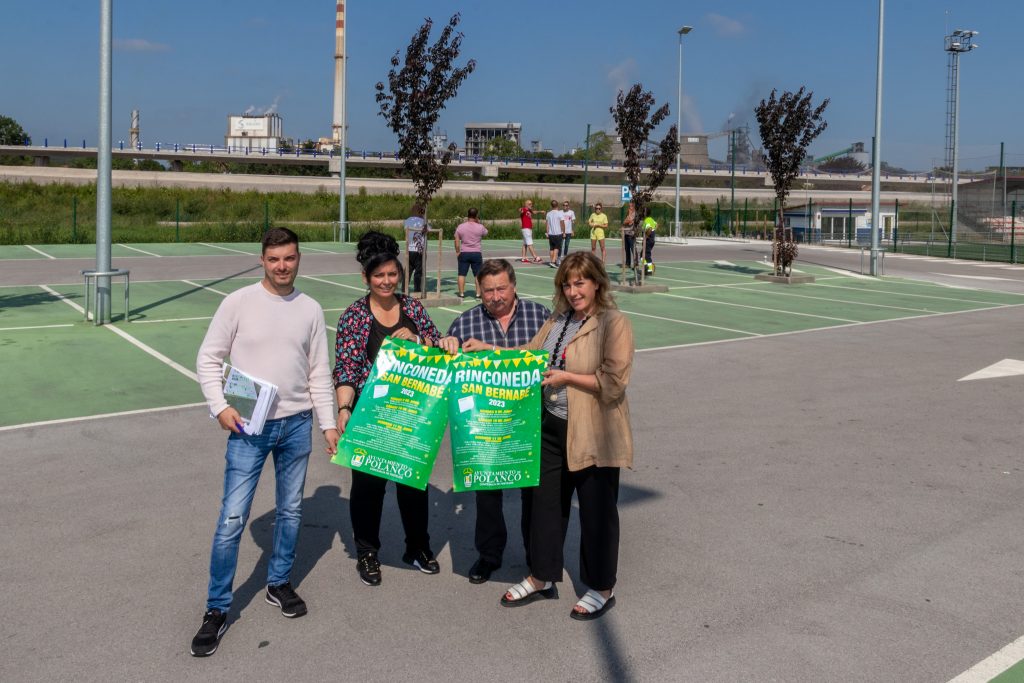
(585, 437)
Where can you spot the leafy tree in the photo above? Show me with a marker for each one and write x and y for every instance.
(634, 123)
(842, 165)
(415, 95)
(11, 132)
(504, 148)
(788, 124)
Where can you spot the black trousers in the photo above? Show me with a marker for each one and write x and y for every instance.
(415, 271)
(366, 504)
(597, 491)
(629, 240)
(491, 534)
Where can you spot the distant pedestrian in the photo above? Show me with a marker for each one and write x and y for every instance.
(598, 223)
(555, 230)
(468, 250)
(416, 241)
(568, 220)
(273, 332)
(526, 220)
(629, 234)
(649, 227)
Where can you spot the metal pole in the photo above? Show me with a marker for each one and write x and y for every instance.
(679, 123)
(876, 166)
(1013, 232)
(956, 148)
(340, 114)
(849, 226)
(732, 183)
(896, 225)
(586, 169)
(1002, 171)
(103, 164)
(952, 212)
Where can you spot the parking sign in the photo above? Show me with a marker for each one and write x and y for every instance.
(626, 194)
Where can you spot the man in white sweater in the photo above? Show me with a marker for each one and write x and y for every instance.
(277, 334)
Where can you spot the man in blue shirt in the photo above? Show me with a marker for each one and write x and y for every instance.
(505, 320)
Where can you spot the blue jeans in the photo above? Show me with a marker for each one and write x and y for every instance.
(290, 440)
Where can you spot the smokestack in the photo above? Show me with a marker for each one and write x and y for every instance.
(339, 74)
(133, 132)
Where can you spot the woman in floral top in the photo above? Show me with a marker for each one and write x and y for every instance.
(361, 330)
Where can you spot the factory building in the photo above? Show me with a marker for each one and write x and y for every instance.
(254, 132)
(478, 135)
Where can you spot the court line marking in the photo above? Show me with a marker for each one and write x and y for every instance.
(761, 290)
(821, 329)
(756, 308)
(129, 338)
(689, 322)
(34, 327)
(847, 273)
(143, 251)
(39, 251)
(209, 289)
(994, 664)
(336, 284)
(319, 251)
(920, 296)
(237, 251)
(170, 320)
(83, 418)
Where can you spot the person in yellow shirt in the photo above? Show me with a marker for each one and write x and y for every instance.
(598, 222)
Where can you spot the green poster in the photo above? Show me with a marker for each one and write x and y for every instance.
(494, 411)
(398, 423)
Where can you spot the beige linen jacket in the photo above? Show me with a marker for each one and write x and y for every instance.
(598, 427)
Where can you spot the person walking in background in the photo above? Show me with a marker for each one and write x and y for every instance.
(598, 223)
(383, 312)
(416, 243)
(468, 239)
(629, 225)
(555, 231)
(586, 438)
(276, 333)
(649, 228)
(568, 220)
(526, 221)
(502, 319)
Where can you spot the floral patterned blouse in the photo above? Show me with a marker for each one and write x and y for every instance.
(351, 364)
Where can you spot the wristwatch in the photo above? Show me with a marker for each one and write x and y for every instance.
(347, 406)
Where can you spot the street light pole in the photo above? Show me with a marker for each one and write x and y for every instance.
(876, 151)
(679, 122)
(957, 42)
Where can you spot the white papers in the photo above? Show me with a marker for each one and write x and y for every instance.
(250, 396)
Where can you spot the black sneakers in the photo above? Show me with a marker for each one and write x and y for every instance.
(207, 638)
(369, 569)
(423, 561)
(285, 597)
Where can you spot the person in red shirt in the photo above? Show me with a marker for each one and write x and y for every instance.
(526, 218)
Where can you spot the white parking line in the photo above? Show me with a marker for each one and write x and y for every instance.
(215, 246)
(141, 251)
(209, 289)
(40, 251)
(83, 418)
(127, 337)
(33, 327)
(993, 665)
(690, 322)
(336, 284)
(756, 308)
(170, 320)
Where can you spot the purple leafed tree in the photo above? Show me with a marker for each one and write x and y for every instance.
(413, 98)
(788, 124)
(634, 123)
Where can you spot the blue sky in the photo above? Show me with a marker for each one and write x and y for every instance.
(555, 67)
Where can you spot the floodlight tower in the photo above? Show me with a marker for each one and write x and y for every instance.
(956, 42)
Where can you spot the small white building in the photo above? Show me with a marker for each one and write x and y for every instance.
(254, 132)
(837, 221)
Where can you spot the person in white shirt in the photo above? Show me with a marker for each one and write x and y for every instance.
(273, 332)
(556, 231)
(568, 219)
